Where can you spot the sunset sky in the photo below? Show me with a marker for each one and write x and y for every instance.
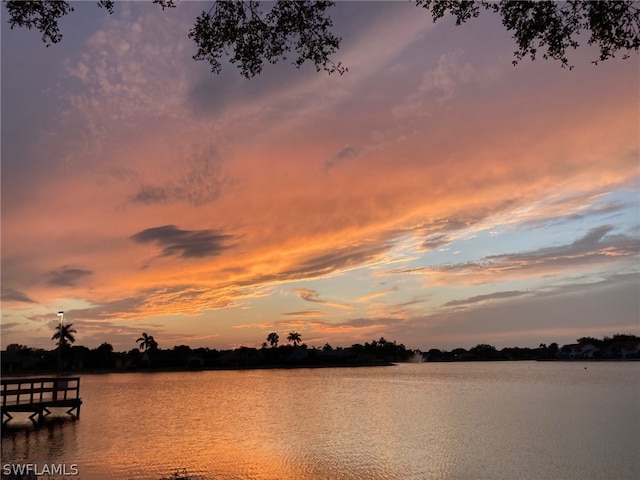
(435, 194)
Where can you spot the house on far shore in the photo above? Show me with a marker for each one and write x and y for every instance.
(616, 350)
(577, 351)
(17, 360)
(624, 350)
(10, 360)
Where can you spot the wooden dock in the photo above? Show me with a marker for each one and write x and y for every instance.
(38, 395)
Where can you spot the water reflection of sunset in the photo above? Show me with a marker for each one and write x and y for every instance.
(422, 420)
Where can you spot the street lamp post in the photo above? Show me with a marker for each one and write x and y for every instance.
(61, 315)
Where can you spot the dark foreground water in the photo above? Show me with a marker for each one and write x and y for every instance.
(454, 421)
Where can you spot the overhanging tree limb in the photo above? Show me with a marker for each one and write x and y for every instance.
(249, 36)
(555, 27)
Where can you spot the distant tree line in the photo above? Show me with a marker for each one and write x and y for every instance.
(149, 356)
(618, 346)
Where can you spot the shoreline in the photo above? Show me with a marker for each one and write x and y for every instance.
(107, 371)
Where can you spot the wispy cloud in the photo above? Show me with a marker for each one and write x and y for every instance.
(439, 85)
(346, 326)
(203, 183)
(304, 313)
(372, 296)
(13, 295)
(435, 241)
(346, 153)
(184, 243)
(9, 326)
(485, 298)
(314, 266)
(313, 296)
(340, 260)
(571, 208)
(154, 302)
(596, 248)
(67, 276)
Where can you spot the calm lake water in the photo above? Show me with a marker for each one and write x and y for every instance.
(453, 421)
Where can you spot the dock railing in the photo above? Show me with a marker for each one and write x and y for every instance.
(39, 394)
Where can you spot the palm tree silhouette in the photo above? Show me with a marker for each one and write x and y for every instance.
(294, 337)
(147, 343)
(64, 335)
(273, 339)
